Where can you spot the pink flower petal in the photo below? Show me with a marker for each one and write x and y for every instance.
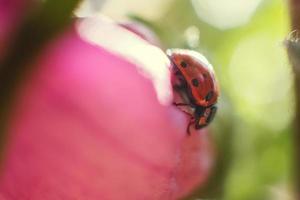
(142, 31)
(91, 123)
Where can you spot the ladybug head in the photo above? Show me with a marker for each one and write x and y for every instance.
(204, 116)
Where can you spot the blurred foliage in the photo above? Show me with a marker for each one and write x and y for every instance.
(253, 127)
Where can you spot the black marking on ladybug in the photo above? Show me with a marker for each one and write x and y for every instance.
(195, 82)
(183, 64)
(205, 75)
(209, 96)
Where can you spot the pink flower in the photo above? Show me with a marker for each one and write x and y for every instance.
(142, 31)
(95, 121)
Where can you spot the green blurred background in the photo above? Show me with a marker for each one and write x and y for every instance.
(244, 40)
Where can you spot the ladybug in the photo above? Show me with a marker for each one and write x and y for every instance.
(194, 80)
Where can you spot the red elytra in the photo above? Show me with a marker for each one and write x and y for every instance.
(195, 82)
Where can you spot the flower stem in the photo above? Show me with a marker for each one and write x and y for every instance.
(293, 48)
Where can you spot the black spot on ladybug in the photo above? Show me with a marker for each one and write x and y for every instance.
(204, 75)
(209, 96)
(183, 64)
(195, 82)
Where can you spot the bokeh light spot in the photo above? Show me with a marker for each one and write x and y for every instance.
(261, 81)
(192, 35)
(227, 13)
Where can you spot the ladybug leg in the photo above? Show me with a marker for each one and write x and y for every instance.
(189, 125)
(192, 120)
(181, 91)
(182, 104)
